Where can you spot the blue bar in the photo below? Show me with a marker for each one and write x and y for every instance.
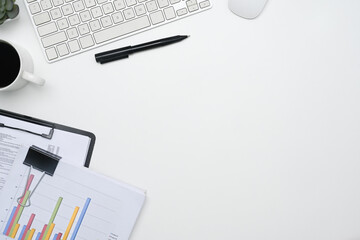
(73, 236)
(38, 236)
(8, 223)
(22, 232)
(55, 236)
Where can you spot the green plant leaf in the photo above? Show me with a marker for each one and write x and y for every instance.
(2, 2)
(9, 5)
(3, 19)
(2, 14)
(14, 12)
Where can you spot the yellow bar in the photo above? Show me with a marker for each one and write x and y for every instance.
(31, 234)
(50, 231)
(15, 230)
(70, 223)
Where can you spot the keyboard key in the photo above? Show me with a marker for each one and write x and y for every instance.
(47, 29)
(72, 33)
(89, 3)
(34, 8)
(63, 50)
(181, 12)
(67, 9)
(130, 3)
(96, 12)
(74, 46)
(204, 4)
(51, 53)
(193, 8)
(95, 25)
(169, 13)
(117, 17)
(85, 16)
(46, 4)
(157, 17)
(78, 6)
(54, 39)
(122, 29)
(86, 41)
(83, 29)
(140, 9)
(41, 18)
(174, 1)
(58, 2)
(62, 24)
(108, 8)
(55, 13)
(163, 3)
(129, 13)
(151, 6)
(106, 21)
(119, 4)
(191, 2)
(74, 20)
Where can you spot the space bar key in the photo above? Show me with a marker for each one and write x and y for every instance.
(122, 29)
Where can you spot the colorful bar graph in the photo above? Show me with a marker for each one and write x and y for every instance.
(47, 237)
(18, 213)
(57, 206)
(70, 223)
(59, 236)
(13, 225)
(28, 226)
(22, 232)
(31, 178)
(16, 228)
(31, 234)
(38, 236)
(10, 219)
(82, 215)
(43, 231)
(27, 235)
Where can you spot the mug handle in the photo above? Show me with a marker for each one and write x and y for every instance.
(33, 78)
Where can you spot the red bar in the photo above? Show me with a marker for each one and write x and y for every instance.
(31, 177)
(59, 236)
(28, 226)
(43, 231)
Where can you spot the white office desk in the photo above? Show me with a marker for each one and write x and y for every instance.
(245, 130)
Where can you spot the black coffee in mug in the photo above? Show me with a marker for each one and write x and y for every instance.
(9, 64)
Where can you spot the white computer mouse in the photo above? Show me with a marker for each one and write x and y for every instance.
(248, 9)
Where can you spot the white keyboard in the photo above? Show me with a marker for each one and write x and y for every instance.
(69, 27)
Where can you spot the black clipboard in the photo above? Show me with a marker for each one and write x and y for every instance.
(55, 126)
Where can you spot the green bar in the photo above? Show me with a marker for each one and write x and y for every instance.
(52, 217)
(19, 212)
(27, 235)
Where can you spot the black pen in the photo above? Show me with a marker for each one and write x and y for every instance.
(124, 52)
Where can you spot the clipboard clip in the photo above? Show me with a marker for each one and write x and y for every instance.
(44, 135)
(39, 159)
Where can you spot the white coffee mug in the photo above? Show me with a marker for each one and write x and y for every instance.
(17, 67)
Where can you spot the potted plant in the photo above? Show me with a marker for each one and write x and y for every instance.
(8, 10)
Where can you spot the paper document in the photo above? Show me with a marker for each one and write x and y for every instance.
(75, 203)
(73, 148)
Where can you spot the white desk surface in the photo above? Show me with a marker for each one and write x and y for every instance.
(245, 130)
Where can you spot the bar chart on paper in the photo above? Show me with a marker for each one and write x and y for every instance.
(69, 205)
